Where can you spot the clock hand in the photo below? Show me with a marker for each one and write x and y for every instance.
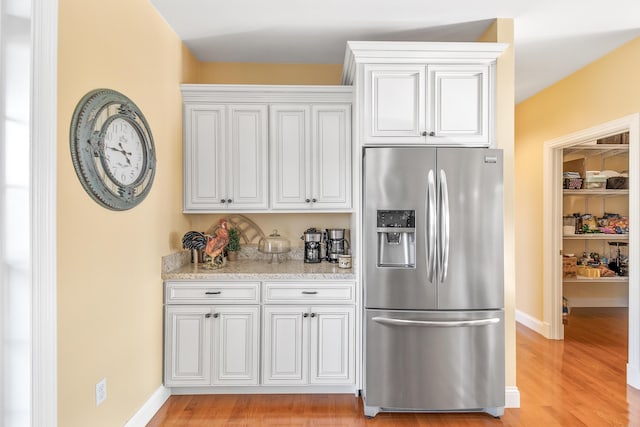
(123, 151)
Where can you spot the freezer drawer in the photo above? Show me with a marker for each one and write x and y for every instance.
(434, 361)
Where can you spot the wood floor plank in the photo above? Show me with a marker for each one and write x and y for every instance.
(580, 381)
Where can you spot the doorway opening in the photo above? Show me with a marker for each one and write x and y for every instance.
(554, 241)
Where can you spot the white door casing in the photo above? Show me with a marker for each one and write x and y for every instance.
(552, 239)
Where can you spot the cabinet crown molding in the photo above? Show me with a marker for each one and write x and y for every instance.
(213, 93)
(381, 52)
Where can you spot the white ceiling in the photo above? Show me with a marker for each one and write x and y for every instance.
(553, 38)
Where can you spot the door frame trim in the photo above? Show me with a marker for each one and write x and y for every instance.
(552, 238)
(44, 105)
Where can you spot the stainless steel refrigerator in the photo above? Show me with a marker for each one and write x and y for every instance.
(433, 280)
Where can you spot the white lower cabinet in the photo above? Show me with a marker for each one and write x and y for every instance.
(211, 345)
(308, 345)
(187, 346)
(214, 336)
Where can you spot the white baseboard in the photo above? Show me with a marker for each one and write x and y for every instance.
(598, 302)
(511, 397)
(534, 324)
(633, 376)
(150, 407)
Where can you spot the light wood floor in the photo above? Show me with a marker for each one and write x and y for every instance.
(577, 382)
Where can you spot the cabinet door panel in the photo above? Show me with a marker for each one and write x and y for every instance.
(290, 141)
(394, 104)
(236, 347)
(332, 345)
(459, 111)
(248, 157)
(187, 346)
(285, 345)
(204, 157)
(331, 156)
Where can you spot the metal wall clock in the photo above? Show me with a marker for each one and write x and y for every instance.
(112, 149)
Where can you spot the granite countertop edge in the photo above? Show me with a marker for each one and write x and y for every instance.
(183, 269)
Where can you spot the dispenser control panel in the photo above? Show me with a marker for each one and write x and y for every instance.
(397, 219)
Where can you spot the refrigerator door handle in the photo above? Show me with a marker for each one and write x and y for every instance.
(435, 323)
(430, 228)
(444, 225)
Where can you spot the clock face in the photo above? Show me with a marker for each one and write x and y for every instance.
(124, 152)
(112, 149)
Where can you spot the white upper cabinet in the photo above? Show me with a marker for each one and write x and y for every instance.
(458, 112)
(225, 157)
(310, 156)
(247, 156)
(290, 130)
(423, 93)
(230, 131)
(436, 104)
(331, 156)
(395, 103)
(204, 179)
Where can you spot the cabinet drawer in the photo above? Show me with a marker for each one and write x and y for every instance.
(313, 292)
(191, 292)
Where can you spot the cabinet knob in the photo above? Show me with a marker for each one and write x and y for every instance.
(208, 315)
(216, 315)
(314, 200)
(223, 201)
(432, 133)
(305, 314)
(229, 200)
(313, 315)
(307, 200)
(424, 133)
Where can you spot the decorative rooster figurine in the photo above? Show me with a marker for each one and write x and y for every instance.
(215, 245)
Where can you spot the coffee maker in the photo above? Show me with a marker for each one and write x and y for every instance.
(312, 245)
(336, 243)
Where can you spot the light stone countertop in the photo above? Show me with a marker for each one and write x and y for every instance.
(245, 269)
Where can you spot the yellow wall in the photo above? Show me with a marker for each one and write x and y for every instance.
(607, 89)
(269, 74)
(502, 31)
(109, 286)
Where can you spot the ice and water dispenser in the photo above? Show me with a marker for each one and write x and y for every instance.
(396, 238)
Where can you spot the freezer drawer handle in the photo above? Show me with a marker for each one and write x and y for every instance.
(436, 323)
(309, 292)
(213, 292)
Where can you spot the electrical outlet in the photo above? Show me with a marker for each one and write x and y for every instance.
(101, 391)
